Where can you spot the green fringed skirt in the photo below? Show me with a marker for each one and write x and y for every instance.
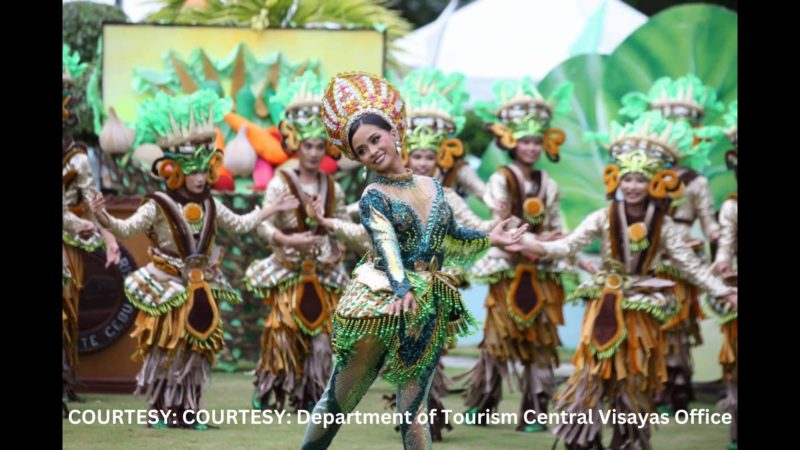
(413, 341)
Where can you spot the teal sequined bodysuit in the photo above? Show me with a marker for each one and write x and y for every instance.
(409, 249)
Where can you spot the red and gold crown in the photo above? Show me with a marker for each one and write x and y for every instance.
(350, 96)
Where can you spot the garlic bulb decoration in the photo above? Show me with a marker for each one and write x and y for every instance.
(240, 156)
(116, 137)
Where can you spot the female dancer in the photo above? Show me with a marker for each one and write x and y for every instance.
(400, 310)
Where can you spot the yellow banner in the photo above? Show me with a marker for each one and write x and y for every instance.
(142, 46)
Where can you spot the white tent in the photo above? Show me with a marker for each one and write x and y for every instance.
(136, 10)
(502, 39)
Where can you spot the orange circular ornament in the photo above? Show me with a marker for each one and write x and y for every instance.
(196, 275)
(533, 206)
(613, 282)
(193, 212)
(307, 266)
(637, 232)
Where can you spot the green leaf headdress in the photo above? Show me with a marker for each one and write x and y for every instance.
(650, 145)
(519, 110)
(682, 98)
(183, 126)
(436, 113)
(298, 103)
(640, 162)
(668, 140)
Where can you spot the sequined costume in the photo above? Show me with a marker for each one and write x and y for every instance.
(525, 300)
(442, 384)
(686, 100)
(620, 362)
(179, 328)
(435, 110)
(413, 233)
(409, 247)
